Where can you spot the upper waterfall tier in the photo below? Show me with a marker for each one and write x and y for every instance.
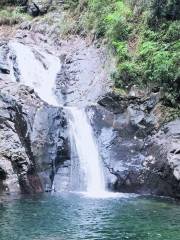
(35, 68)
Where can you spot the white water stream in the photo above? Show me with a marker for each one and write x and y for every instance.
(38, 70)
(90, 161)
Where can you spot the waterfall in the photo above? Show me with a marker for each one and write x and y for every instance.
(90, 165)
(38, 69)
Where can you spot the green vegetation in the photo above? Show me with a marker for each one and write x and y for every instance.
(11, 15)
(144, 37)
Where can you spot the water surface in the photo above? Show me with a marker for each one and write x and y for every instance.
(74, 216)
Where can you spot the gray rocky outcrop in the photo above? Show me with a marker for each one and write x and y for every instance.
(33, 7)
(33, 141)
(140, 154)
(15, 153)
(50, 144)
(38, 7)
(84, 76)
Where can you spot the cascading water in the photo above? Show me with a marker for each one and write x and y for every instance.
(90, 168)
(39, 70)
(36, 69)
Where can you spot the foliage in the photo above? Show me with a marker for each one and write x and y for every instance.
(13, 2)
(121, 50)
(127, 74)
(153, 60)
(71, 4)
(162, 10)
(12, 15)
(173, 32)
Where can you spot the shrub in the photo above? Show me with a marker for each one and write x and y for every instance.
(121, 50)
(147, 49)
(117, 25)
(163, 9)
(11, 16)
(173, 32)
(128, 73)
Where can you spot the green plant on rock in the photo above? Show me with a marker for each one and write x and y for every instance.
(121, 50)
(12, 15)
(173, 32)
(117, 25)
(147, 49)
(128, 73)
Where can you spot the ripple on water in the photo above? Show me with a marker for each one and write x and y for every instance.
(106, 195)
(68, 216)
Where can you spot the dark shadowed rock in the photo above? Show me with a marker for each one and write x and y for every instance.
(38, 7)
(33, 10)
(49, 142)
(22, 2)
(42, 5)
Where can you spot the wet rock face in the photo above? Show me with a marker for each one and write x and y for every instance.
(121, 150)
(33, 140)
(137, 156)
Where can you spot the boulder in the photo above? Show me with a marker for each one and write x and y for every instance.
(38, 7)
(33, 10)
